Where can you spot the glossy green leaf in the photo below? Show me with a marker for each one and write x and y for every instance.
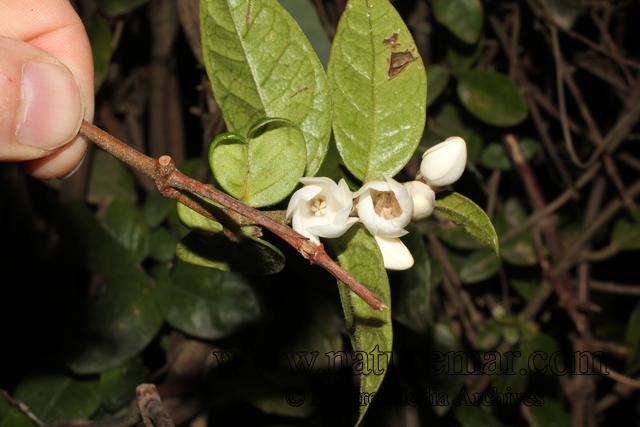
(117, 323)
(11, 416)
(632, 342)
(205, 302)
(157, 208)
(371, 331)
(467, 214)
(261, 65)
(378, 90)
(194, 220)
(109, 177)
(492, 97)
(118, 7)
(163, 244)
(462, 17)
(89, 244)
(58, 395)
(438, 78)
(118, 385)
(480, 265)
(126, 224)
(410, 289)
(550, 412)
(247, 255)
(100, 39)
(263, 169)
(306, 16)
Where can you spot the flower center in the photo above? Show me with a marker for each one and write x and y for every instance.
(386, 205)
(319, 207)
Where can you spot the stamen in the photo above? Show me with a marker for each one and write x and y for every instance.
(319, 207)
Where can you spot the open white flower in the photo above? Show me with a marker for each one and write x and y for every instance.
(424, 199)
(385, 208)
(321, 208)
(444, 163)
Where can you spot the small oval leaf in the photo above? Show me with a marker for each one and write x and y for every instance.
(479, 266)
(467, 214)
(247, 255)
(438, 78)
(263, 169)
(261, 65)
(492, 97)
(205, 302)
(462, 17)
(378, 90)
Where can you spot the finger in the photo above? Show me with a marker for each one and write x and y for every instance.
(48, 84)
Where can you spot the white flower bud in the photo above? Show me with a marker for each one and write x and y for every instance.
(395, 254)
(424, 199)
(444, 163)
(321, 208)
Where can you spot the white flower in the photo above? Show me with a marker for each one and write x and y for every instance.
(385, 208)
(424, 199)
(321, 208)
(444, 163)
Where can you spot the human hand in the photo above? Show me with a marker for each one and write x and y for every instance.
(46, 86)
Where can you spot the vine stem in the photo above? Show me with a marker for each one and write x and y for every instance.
(172, 183)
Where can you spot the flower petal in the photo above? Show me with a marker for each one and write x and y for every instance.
(395, 254)
(332, 230)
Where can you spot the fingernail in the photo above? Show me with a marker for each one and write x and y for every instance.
(53, 106)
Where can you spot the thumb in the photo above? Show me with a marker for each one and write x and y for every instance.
(42, 105)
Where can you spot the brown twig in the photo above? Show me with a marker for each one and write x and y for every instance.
(22, 408)
(168, 179)
(151, 409)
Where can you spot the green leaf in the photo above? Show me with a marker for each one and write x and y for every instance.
(109, 177)
(263, 169)
(411, 288)
(127, 226)
(564, 12)
(10, 416)
(100, 39)
(495, 156)
(462, 17)
(489, 336)
(378, 90)
(526, 288)
(492, 97)
(163, 244)
(58, 395)
(118, 7)
(438, 78)
(626, 235)
(462, 56)
(261, 65)
(467, 214)
(446, 340)
(205, 302)
(247, 255)
(116, 324)
(447, 123)
(157, 208)
(632, 341)
(118, 385)
(195, 221)
(89, 244)
(371, 331)
(306, 16)
(480, 265)
(457, 237)
(518, 250)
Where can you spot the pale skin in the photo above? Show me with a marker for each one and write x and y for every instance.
(40, 115)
